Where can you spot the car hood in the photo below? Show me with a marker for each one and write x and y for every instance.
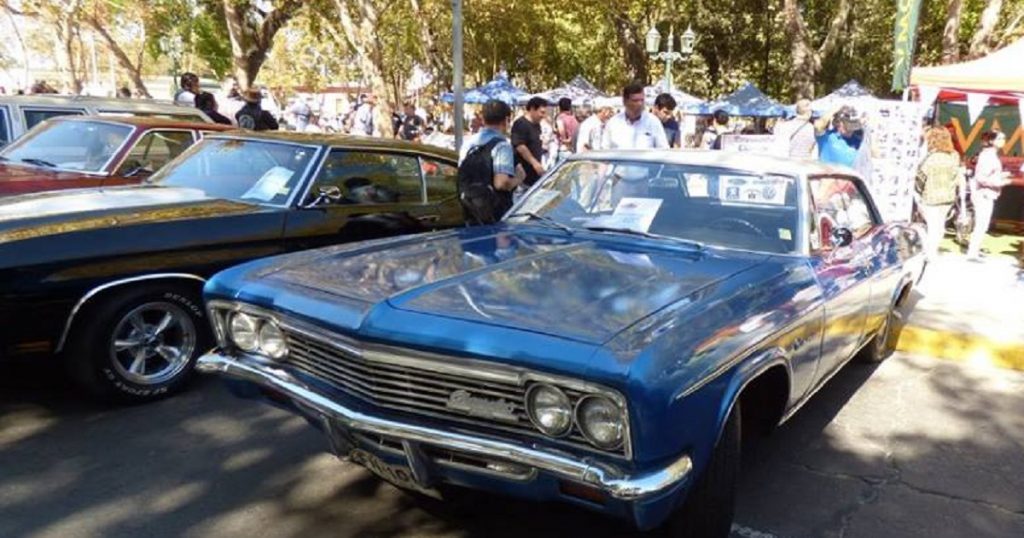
(586, 287)
(12, 173)
(33, 215)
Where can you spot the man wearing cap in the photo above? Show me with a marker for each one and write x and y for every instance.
(839, 135)
(252, 116)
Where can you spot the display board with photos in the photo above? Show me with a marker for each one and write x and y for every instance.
(895, 135)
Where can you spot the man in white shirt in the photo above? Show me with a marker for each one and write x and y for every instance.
(188, 91)
(634, 127)
(591, 133)
(362, 120)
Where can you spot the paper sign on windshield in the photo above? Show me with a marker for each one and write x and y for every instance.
(752, 190)
(630, 214)
(268, 186)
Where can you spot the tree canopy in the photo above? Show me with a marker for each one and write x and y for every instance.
(788, 48)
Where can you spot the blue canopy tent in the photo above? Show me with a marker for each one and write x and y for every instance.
(850, 92)
(747, 101)
(579, 90)
(685, 101)
(499, 88)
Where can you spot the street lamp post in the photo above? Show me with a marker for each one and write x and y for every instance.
(670, 56)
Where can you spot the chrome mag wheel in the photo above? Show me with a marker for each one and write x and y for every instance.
(153, 343)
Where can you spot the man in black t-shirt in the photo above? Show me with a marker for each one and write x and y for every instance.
(411, 125)
(526, 140)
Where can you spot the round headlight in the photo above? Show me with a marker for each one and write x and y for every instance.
(272, 341)
(549, 409)
(601, 422)
(244, 331)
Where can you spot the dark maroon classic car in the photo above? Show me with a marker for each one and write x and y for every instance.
(79, 152)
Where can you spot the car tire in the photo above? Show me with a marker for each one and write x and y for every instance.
(710, 504)
(138, 344)
(883, 344)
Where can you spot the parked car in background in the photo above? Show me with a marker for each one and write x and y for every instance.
(20, 113)
(607, 344)
(109, 280)
(94, 151)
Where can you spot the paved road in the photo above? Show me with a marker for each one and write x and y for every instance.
(915, 447)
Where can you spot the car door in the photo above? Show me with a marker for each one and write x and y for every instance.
(441, 178)
(840, 205)
(149, 153)
(359, 194)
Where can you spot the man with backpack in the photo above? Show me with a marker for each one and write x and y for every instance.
(487, 175)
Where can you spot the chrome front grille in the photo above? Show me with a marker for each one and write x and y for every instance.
(415, 387)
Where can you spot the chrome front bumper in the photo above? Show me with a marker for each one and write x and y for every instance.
(613, 481)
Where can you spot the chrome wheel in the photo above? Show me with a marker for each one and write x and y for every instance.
(153, 343)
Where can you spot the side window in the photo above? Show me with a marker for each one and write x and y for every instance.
(5, 127)
(155, 149)
(441, 180)
(838, 203)
(370, 178)
(35, 116)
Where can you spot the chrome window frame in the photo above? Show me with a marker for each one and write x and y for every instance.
(106, 166)
(23, 109)
(304, 174)
(218, 309)
(405, 153)
(141, 132)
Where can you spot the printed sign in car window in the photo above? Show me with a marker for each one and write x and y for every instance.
(752, 190)
(273, 183)
(630, 214)
(697, 185)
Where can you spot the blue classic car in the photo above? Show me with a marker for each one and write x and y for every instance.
(607, 344)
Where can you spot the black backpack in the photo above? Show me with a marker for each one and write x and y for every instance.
(481, 204)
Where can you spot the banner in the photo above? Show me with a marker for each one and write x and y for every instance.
(967, 133)
(926, 95)
(976, 105)
(905, 37)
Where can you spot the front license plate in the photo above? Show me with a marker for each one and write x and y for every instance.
(397, 475)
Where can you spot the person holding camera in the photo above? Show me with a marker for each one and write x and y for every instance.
(839, 136)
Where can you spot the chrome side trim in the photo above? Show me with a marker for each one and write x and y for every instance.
(92, 293)
(612, 480)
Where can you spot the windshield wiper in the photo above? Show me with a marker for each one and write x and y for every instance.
(39, 162)
(630, 231)
(545, 219)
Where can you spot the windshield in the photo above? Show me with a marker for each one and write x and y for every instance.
(244, 170)
(81, 146)
(709, 205)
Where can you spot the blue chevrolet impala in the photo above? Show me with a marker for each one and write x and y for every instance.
(608, 344)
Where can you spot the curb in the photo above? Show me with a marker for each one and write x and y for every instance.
(961, 347)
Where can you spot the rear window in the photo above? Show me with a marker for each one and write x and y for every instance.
(35, 116)
(5, 127)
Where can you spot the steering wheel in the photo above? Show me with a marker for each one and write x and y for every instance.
(726, 223)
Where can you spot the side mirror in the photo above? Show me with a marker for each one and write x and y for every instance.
(330, 194)
(841, 237)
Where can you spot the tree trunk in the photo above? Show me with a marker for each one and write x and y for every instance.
(807, 60)
(250, 43)
(982, 41)
(134, 70)
(360, 34)
(632, 46)
(951, 33)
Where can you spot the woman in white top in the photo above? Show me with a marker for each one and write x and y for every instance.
(989, 179)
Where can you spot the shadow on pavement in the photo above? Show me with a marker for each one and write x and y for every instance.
(912, 448)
